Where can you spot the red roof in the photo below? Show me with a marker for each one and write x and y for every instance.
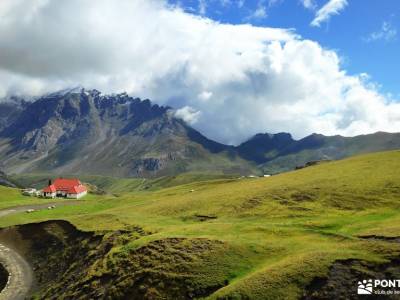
(77, 189)
(62, 183)
(50, 189)
(70, 186)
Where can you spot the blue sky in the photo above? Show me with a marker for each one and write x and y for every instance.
(229, 68)
(348, 33)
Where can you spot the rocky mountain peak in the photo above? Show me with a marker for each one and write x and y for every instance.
(79, 130)
(258, 147)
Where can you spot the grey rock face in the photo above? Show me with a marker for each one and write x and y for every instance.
(83, 131)
(5, 181)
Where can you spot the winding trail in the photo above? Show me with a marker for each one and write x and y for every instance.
(20, 278)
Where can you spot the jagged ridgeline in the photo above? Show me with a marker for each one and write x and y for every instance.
(81, 131)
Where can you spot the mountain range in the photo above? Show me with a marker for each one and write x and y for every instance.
(81, 131)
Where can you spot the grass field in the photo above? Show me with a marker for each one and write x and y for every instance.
(276, 233)
(121, 185)
(13, 197)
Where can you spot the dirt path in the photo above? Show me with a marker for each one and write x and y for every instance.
(17, 209)
(20, 277)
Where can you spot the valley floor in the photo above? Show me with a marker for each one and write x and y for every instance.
(282, 237)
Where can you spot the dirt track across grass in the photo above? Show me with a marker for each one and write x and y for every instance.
(16, 209)
(20, 274)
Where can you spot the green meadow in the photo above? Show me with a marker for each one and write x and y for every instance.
(274, 234)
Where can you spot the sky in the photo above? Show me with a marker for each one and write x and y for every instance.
(365, 33)
(230, 68)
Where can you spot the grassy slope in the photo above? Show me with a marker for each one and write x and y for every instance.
(121, 185)
(334, 147)
(279, 232)
(10, 197)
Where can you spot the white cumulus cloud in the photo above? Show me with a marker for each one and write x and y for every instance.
(188, 114)
(228, 81)
(332, 7)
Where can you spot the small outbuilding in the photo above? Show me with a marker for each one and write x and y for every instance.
(29, 192)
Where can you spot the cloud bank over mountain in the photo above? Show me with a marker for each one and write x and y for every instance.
(228, 81)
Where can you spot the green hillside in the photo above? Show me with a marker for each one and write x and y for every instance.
(120, 185)
(86, 132)
(261, 238)
(319, 147)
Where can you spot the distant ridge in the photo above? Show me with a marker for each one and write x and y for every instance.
(280, 152)
(79, 131)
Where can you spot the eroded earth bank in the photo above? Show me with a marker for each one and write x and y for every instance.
(70, 264)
